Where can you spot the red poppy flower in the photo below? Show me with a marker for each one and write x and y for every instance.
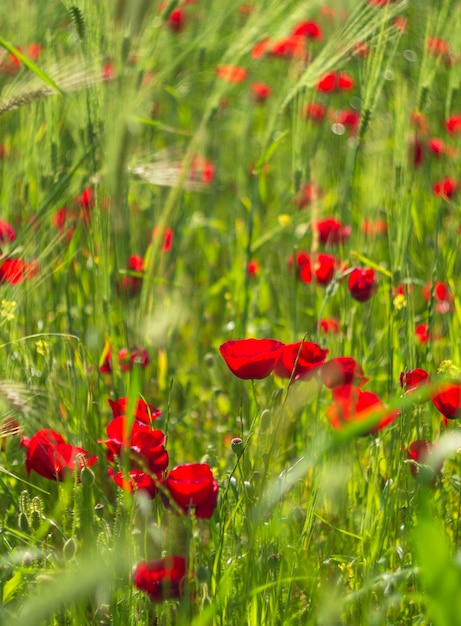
(352, 405)
(251, 358)
(145, 445)
(288, 47)
(192, 486)
(330, 325)
(362, 284)
(334, 81)
(163, 579)
(308, 29)
(324, 268)
(50, 456)
(133, 284)
(442, 296)
(260, 48)
(448, 400)
(14, 271)
(437, 146)
(445, 188)
(453, 124)
(419, 453)
(422, 333)
(231, 73)
(374, 228)
(300, 360)
(331, 231)
(348, 118)
(260, 91)
(438, 47)
(253, 268)
(176, 20)
(7, 232)
(202, 170)
(167, 238)
(303, 265)
(412, 379)
(135, 480)
(342, 370)
(315, 111)
(145, 413)
(308, 192)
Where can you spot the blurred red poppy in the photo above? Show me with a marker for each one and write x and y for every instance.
(362, 283)
(163, 579)
(308, 29)
(260, 91)
(334, 81)
(412, 379)
(342, 370)
(300, 360)
(132, 285)
(251, 358)
(260, 48)
(50, 456)
(145, 413)
(437, 146)
(422, 333)
(231, 73)
(253, 268)
(445, 188)
(438, 47)
(352, 405)
(7, 232)
(324, 268)
(315, 111)
(453, 124)
(308, 192)
(135, 480)
(348, 118)
(374, 228)
(292, 47)
(443, 298)
(201, 170)
(448, 400)
(419, 453)
(168, 236)
(192, 486)
(330, 325)
(331, 231)
(176, 20)
(303, 265)
(14, 271)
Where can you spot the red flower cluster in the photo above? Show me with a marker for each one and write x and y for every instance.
(14, 271)
(323, 265)
(190, 486)
(334, 81)
(257, 358)
(127, 359)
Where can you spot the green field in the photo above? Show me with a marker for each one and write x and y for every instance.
(229, 263)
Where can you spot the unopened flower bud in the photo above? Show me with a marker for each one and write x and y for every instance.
(237, 446)
(69, 549)
(265, 420)
(87, 477)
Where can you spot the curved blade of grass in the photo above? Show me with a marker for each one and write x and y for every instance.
(31, 65)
